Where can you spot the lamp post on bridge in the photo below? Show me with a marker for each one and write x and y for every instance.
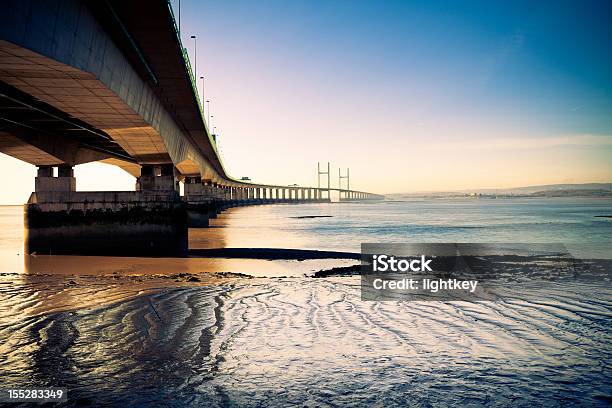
(195, 56)
(208, 110)
(203, 99)
(179, 18)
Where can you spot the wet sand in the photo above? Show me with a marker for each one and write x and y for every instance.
(229, 330)
(33, 285)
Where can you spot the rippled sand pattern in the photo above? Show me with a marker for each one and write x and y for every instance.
(313, 342)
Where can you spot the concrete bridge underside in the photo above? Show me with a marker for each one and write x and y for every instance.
(109, 81)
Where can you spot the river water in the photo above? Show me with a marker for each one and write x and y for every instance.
(284, 338)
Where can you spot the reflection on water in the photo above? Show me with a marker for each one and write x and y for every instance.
(311, 342)
(42, 284)
(139, 331)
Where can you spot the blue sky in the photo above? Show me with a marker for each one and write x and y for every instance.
(479, 78)
(411, 96)
(549, 63)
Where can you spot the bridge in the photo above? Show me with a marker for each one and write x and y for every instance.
(110, 81)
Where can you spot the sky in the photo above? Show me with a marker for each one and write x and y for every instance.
(411, 96)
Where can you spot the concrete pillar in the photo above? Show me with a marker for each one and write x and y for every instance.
(60, 220)
(162, 177)
(64, 181)
(193, 187)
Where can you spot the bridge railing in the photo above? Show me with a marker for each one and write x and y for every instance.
(191, 74)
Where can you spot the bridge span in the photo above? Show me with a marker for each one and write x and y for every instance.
(110, 81)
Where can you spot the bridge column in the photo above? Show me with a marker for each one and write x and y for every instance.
(151, 221)
(213, 199)
(157, 178)
(200, 202)
(192, 187)
(45, 181)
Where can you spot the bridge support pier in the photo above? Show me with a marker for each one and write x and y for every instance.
(149, 222)
(206, 199)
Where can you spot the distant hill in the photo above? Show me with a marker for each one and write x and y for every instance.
(547, 190)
